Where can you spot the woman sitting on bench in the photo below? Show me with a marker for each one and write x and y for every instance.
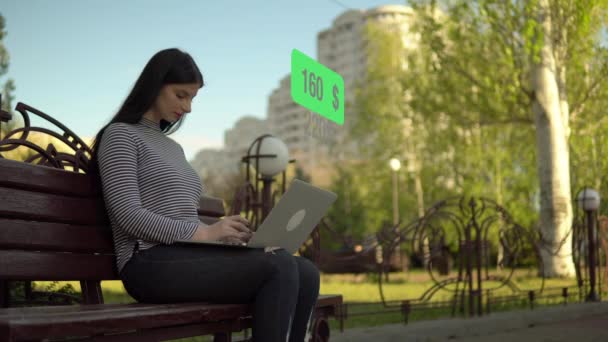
(151, 194)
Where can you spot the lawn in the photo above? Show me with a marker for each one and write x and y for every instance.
(361, 293)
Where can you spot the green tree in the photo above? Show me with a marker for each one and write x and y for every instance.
(442, 157)
(521, 62)
(589, 138)
(300, 174)
(487, 100)
(8, 86)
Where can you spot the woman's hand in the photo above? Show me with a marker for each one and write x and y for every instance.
(231, 229)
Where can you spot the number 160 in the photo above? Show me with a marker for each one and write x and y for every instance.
(315, 84)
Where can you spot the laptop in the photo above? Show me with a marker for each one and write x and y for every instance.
(291, 221)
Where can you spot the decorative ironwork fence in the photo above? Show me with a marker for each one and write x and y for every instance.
(487, 246)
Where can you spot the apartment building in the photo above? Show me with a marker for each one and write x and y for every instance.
(341, 48)
(227, 160)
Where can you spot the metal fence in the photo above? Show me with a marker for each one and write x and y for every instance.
(485, 238)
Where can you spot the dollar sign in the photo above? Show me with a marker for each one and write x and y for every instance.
(335, 102)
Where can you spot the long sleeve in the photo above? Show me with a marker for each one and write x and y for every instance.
(118, 166)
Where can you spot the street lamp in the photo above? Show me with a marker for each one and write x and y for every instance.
(395, 166)
(589, 200)
(271, 158)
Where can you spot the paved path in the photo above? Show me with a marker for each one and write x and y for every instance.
(574, 322)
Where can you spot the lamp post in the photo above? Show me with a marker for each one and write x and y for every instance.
(271, 157)
(395, 166)
(589, 200)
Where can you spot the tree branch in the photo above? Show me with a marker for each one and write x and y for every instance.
(577, 107)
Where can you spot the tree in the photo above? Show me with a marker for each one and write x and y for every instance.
(9, 85)
(520, 62)
(589, 137)
(399, 116)
(301, 174)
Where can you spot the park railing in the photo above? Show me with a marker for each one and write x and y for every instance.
(406, 311)
(471, 248)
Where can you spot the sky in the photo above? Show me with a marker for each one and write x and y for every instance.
(76, 60)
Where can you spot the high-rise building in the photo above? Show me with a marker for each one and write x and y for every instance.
(289, 122)
(218, 166)
(342, 49)
(238, 139)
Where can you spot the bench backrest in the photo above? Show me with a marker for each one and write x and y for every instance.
(53, 224)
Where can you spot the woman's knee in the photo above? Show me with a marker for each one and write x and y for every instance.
(284, 263)
(308, 272)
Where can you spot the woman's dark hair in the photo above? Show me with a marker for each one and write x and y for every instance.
(170, 66)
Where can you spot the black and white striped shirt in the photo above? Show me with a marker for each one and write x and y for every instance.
(150, 190)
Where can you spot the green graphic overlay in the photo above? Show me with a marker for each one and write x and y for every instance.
(317, 87)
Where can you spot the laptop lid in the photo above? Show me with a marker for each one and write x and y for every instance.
(295, 216)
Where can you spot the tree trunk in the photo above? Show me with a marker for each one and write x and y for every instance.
(499, 200)
(420, 200)
(552, 155)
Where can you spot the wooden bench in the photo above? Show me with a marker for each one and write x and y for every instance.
(53, 226)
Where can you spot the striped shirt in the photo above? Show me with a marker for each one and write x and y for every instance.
(150, 190)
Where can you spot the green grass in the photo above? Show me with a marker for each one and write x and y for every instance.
(411, 285)
(362, 295)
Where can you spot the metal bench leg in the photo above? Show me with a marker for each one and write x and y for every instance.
(319, 329)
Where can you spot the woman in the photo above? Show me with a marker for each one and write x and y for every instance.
(151, 194)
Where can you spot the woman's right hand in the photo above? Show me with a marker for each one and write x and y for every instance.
(231, 229)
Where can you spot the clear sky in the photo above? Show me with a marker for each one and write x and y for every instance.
(77, 59)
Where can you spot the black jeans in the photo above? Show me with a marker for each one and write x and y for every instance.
(282, 287)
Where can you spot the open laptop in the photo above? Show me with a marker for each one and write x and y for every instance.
(291, 221)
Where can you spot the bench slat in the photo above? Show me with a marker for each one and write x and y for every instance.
(29, 205)
(44, 236)
(27, 324)
(329, 300)
(32, 323)
(20, 175)
(181, 331)
(25, 265)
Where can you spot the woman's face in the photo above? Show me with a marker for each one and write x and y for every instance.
(173, 102)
